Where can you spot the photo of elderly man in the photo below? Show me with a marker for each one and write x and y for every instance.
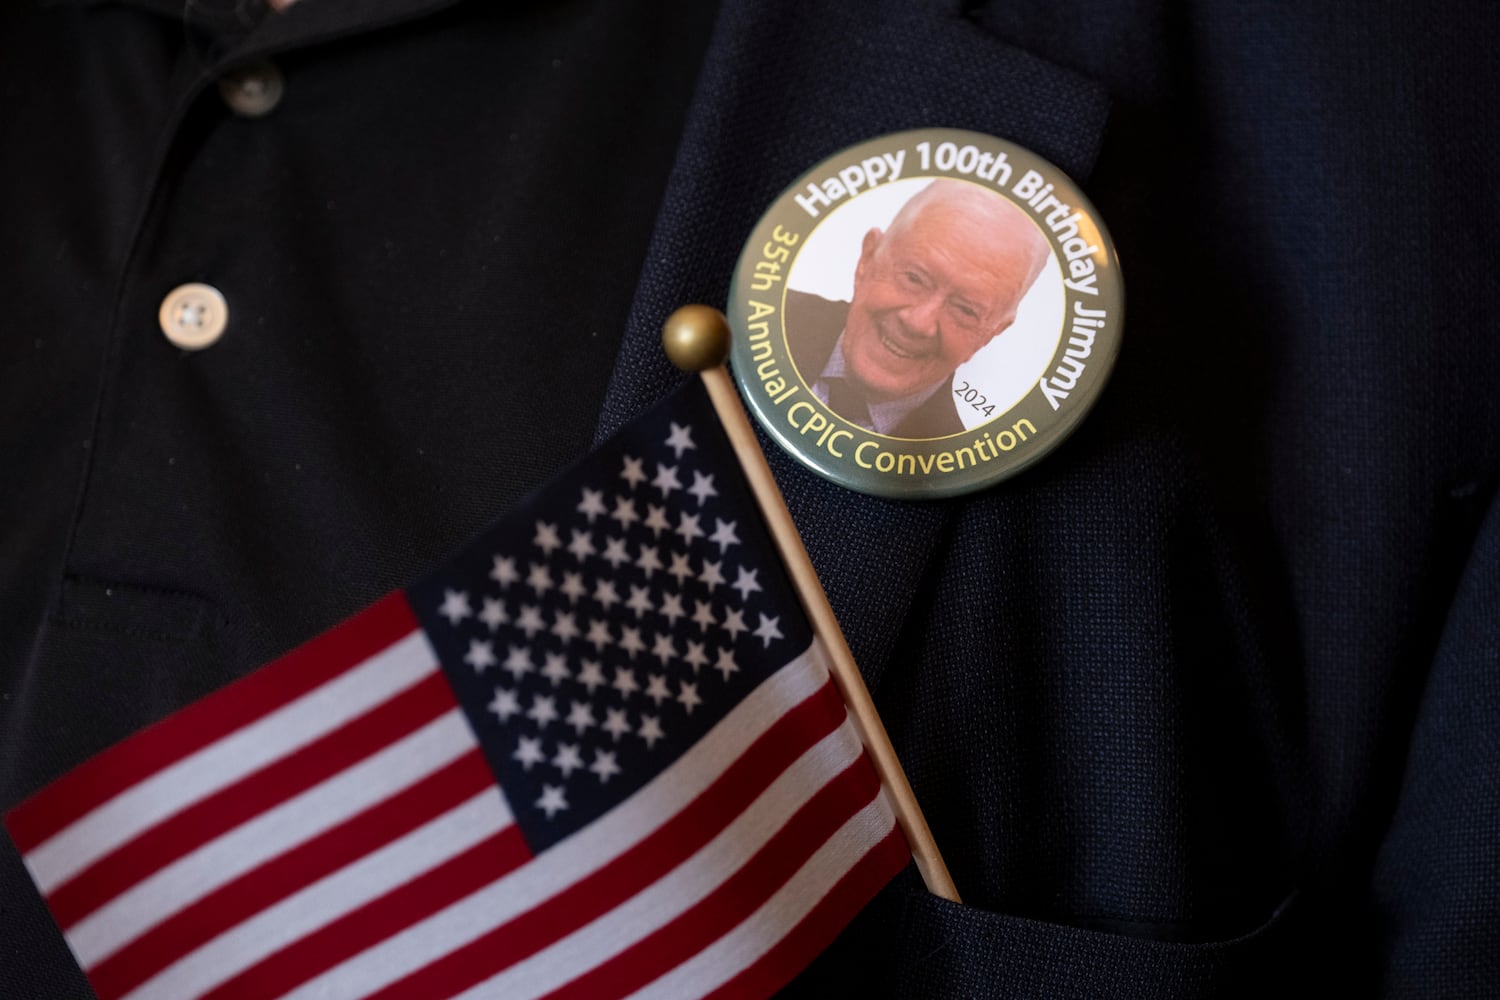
(939, 283)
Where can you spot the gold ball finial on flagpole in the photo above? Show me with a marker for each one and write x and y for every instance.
(696, 338)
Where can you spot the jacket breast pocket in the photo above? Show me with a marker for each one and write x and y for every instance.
(948, 950)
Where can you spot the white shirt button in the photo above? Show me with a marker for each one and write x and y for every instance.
(193, 316)
(254, 91)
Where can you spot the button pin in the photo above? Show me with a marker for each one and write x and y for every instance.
(926, 313)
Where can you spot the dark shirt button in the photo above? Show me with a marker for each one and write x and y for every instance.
(194, 316)
(254, 91)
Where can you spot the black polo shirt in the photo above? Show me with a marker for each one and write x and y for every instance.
(427, 249)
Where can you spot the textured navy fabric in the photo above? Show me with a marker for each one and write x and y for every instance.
(1161, 688)
(1202, 705)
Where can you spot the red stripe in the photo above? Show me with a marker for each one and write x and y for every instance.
(287, 873)
(583, 901)
(203, 821)
(99, 779)
(739, 896)
(320, 951)
(816, 931)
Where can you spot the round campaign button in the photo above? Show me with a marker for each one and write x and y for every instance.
(926, 313)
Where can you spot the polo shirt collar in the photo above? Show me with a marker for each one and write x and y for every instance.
(256, 29)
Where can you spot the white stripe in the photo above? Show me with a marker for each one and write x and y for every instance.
(330, 898)
(667, 898)
(766, 927)
(227, 760)
(586, 851)
(273, 832)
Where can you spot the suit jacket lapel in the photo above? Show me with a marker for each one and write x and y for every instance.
(784, 85)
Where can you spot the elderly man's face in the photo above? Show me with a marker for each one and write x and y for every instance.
(931, 292)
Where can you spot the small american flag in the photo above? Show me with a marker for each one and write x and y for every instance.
(596, 754)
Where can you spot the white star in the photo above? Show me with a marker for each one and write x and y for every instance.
(582, 545)
(538, 579)
(604, 765)
(493, 614)
(568, 759)
(656, 689)
(615, 723)
(630, 641)
(640, 600)
(625, 512)
(505, 704)
(606, 594)
(724, 535)
(725, 664)
(529, 751)
(624, 682)
(663, 649)
(591, 674)
(555, 668)
(680, 568)
(599, 634)
(553, 801)
(649, 561)
(745, 582)
(734, 622)
(614, 552)
(455, 606)
(650, 730)
(592, 504)
(481, 654)
(572, 586)
(702, 488)
(703, 614)
(680, 440)
(666, 479)
(581, 717)
(671, 607)
(712, 574)
(633, 473)
(656, 519)
(546, 538)
(688, 528)
(504, 572)
(768, 629)
(518, 663)
(543, 710)
(565, 626)
(530, 620)
(688, 696)
(695, 656)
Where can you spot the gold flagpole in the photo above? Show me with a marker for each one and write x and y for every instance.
(696, 338)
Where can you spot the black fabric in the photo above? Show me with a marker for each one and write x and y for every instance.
(1202, 705)
(428, 250)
